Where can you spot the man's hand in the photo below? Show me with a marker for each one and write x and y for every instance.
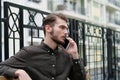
(22, 75)
(72, 49)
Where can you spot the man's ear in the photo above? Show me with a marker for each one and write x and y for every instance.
(48, 28)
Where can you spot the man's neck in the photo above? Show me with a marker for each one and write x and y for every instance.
(50, 43)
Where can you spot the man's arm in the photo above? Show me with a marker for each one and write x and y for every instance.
(14, 73)
(14, 67)
(77, 71)
(7, 71)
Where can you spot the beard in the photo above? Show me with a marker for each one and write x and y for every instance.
(54, 37)
(57, 41)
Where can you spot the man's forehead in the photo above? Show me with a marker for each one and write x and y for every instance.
(62, 24)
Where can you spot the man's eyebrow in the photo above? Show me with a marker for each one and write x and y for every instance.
(64, 26)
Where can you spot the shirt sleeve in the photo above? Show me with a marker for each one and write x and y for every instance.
(77, 71)
(7, 71)
(9, 66)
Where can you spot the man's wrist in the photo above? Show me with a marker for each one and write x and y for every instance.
(75, 55)
(76, 61)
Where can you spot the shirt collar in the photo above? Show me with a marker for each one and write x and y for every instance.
(48, 49)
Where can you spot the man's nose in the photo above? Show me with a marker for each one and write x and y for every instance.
(67, 32)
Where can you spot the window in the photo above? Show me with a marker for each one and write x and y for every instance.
(50, 5)
(71, 4)
(96, 11)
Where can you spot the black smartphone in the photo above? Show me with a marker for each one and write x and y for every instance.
(66, 44)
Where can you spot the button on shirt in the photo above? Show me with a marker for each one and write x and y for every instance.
(53, 65)
(43, 63)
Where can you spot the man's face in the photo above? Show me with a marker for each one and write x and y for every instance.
(59, 31)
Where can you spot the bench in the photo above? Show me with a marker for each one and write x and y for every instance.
(4, 78)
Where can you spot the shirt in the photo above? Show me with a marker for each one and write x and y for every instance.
(43, 63)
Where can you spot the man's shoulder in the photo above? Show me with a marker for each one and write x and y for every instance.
(32, 48)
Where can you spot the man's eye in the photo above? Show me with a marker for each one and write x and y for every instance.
(63, 27)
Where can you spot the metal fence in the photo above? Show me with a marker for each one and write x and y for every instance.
(99, 47)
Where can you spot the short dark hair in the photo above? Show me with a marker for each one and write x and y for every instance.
(51, 19)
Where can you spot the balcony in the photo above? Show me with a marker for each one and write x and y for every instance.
(82, 11)
(114, 2)
(114, 21)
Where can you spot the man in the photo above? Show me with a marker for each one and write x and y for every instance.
(49, 60)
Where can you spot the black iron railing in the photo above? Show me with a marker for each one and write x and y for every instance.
(22, 19)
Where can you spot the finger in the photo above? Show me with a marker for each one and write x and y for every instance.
(70, 39)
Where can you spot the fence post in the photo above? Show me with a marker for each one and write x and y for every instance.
(109, 53)
(84, 47)
(6, 24)
(103, 51)
(21, 28)
(0, 33)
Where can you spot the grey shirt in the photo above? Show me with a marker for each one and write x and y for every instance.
(43, 63)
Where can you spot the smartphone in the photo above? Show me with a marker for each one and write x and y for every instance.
(66, 44)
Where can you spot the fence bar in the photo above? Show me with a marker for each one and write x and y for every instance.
(6, 24)
(109, 53)
(0, 33)
(103, 51)
(21, 27)
(84, 47)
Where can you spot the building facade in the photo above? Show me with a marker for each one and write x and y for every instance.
(100, 12)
